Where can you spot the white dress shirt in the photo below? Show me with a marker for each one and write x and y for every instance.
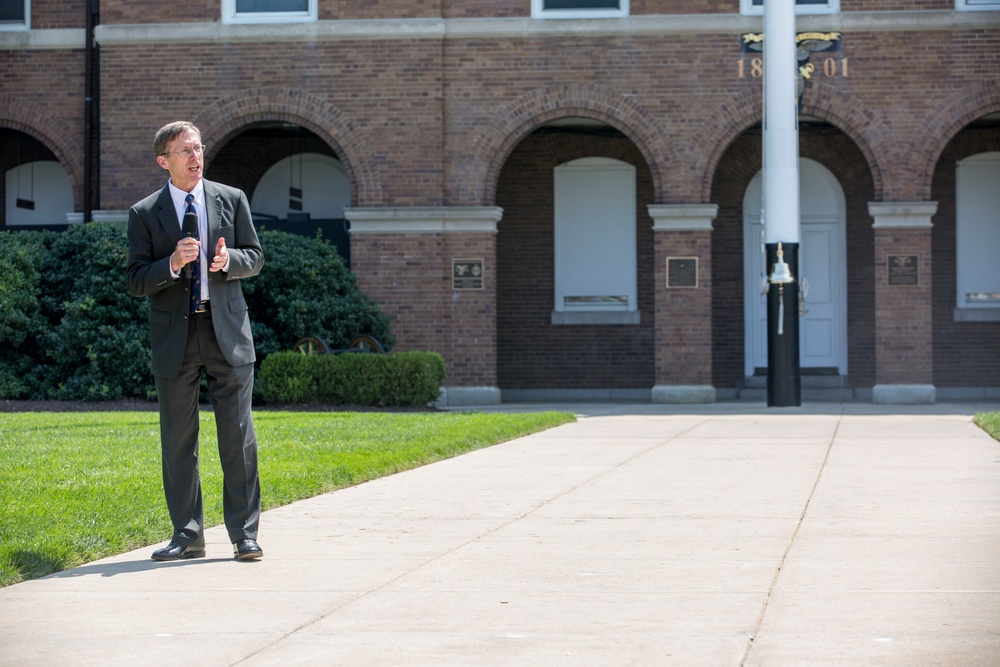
(180, 205)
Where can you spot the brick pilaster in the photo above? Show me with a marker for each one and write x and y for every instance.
(683, 302)
(904, 350)
(405, 258)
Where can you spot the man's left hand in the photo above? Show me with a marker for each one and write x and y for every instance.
(221, 257)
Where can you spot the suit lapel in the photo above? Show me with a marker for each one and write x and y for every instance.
(213, 209)
(167, 216)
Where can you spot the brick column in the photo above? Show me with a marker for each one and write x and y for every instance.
(904, 354)
(433, 271)
(682, 246)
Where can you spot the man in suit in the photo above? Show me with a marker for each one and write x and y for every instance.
(198, 319)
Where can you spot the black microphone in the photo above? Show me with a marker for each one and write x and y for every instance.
(190, 227)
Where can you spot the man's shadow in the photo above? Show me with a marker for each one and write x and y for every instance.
(129, 567)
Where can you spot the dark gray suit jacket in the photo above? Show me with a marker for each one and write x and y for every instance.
(153, 233)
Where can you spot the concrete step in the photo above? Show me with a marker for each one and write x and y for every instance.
(817, 394)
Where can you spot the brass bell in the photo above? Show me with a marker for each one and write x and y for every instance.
(780, 273)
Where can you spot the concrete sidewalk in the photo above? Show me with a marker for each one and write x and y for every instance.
(729, 534)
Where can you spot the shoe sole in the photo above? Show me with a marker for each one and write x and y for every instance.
(185, 556)
(250, 556)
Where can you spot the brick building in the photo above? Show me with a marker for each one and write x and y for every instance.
(562, 196)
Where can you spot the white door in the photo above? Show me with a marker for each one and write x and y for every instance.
(822, 271)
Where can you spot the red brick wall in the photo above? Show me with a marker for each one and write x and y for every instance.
(177, 11)
(460, 9)
(532, 353)
(48, 14)
(41, 96)
(379, 9)
(409, 276)
(243, 161)
(376, 95)
(683, 338)
(125, 11)
(903, 349)
(470, 316)
(501, 89)
(405, 274)
(184, 11)
(736, 169)
(888, 5)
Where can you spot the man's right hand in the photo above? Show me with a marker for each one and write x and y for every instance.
(186, 252)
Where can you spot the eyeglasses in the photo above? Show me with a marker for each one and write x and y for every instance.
(187, 152)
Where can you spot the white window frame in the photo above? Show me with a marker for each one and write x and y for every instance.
(831, 7)
(10, 27)
(977, 5)
(538, 11)
(595, 267)
(229, 15)
(976, 238)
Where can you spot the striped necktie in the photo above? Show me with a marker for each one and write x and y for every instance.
(191, 223)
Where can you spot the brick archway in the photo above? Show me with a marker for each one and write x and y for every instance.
(949, 118)
(231, 114)
(864, 128)
(19, 114)
(489, 150)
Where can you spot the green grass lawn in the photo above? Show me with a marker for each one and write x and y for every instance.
(75, 487)
(989, 422)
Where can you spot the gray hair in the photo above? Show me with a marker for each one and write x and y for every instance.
(171, 131)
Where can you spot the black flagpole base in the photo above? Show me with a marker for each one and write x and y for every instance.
(784, 377)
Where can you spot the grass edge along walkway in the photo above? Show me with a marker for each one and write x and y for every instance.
(989, 422)
(77, 487)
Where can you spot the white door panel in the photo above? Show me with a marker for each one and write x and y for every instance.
(818, 264)
(822, 271)
(817, 341)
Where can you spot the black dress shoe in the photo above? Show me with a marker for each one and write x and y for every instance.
(247, 549)
(177, 551)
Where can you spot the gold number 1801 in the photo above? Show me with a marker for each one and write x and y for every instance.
(832, 68)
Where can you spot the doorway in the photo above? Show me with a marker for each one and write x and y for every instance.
(822, 275)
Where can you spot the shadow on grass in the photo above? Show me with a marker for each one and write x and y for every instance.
(34, 564)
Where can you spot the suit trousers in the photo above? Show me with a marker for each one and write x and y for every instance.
(231, 390)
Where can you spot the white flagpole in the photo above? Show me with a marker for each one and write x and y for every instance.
(781, 203)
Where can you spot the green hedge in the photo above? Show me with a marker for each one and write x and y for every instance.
(405, 379)
(70, 330)
(305, 289)
(80, 335)
(20, 311)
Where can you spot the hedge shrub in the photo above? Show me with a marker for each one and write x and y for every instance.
(405, 379)
(70, 330)
(305, 290)
(96, 344)
(20, 311)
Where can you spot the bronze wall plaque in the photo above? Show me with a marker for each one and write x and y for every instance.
(902, 270)
(682, 272)
(466, 274)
